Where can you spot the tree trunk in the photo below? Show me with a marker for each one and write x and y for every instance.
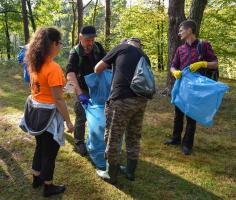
(8, 41)
(158, 48)
(107, 22)
(25, 21)
(162, 46)
(162, 37)
(196, 12)
(73, 25)
(176, 16)
(80, 14)
(95, 13)
(31, 16)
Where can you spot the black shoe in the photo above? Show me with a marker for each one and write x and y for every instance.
(129, 171)
(81, 148)
(52, 189)
(186, 151)
(172, 142)
(37, 181)
(110, 175)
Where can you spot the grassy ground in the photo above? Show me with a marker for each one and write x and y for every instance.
(163, 172)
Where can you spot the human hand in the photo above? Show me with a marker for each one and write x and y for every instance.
(70, 127)
(177, 74)
(84, 99)
(197, 65)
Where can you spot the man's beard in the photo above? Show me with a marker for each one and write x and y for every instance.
(88, 49)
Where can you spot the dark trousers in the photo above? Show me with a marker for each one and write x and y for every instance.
(80, 121)
(45, 155)
(178, 128)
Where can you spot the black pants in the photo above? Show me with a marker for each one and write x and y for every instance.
(178, 128)
(80, 121)
(45, 155)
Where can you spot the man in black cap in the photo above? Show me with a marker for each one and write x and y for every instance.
(82, 60)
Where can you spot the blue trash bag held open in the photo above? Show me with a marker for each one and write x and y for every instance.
(198, 96)
(99, 86)
(99, 89)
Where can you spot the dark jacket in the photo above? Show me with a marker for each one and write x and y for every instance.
(82, 64)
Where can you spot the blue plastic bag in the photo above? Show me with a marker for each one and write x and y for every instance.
(20, 58)
(198, 96)
(99, 86)
(96, 128)
(99, 89)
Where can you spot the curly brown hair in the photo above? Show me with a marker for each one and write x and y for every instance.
(39, 47)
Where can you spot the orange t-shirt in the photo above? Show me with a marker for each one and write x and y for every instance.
(50, 75)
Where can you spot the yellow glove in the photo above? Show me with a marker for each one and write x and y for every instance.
(197, 65)
(177, 74)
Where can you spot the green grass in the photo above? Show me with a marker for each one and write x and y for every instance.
(163, 172)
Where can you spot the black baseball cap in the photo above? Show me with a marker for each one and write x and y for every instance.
(88, 31)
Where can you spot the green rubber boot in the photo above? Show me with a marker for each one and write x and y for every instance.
(129, 171)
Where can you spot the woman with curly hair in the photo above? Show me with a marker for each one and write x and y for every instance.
(47, 107)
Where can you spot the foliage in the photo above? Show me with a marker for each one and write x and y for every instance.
(219, 25)
(142, 21)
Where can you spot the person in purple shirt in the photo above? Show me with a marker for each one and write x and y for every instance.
(188, 55)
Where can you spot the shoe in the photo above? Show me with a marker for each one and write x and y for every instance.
(172, 142)
(186, 151)
(110, 175)
(37, 181)
(52, 189)
(129, 171)
(81, 148)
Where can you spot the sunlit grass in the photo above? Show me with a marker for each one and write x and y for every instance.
(163, 172)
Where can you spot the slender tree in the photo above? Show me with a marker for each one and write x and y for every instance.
(73, 24)
(25, 21)
(31, 16)
(162, 37)
(95, 12)
(107, 22)
(80, 14)
(7, 34)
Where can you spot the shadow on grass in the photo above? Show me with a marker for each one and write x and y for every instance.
(154, 182)
(15, 184)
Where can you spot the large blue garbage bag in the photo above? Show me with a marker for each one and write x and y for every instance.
(99, 90)
(96, 128)
(99, 86)
(198, 97)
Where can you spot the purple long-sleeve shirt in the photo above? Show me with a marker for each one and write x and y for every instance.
(187, 54)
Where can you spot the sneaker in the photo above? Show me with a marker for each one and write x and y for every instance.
(52, 189)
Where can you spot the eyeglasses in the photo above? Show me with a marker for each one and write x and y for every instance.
(60, 42)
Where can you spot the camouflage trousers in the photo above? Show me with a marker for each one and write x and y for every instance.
(124, 116)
